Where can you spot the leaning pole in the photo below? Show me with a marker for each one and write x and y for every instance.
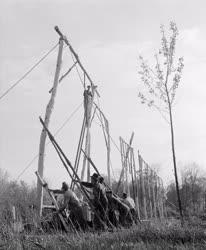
(43, 136)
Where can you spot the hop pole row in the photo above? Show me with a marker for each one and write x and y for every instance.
(143, 184)
(151, 194)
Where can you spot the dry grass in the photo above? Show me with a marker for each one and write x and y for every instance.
(148, 236)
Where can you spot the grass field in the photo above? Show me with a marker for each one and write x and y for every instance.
(145, 236)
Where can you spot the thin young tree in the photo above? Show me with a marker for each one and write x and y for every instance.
(161, 82)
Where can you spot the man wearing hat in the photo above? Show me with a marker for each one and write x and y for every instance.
(115, 204)
(99, 198)
(72, 203)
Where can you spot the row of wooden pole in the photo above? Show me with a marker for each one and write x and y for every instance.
(143, 185)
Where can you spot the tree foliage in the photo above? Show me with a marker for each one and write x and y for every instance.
(162, 80)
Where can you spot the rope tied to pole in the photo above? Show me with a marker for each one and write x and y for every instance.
(27, 73)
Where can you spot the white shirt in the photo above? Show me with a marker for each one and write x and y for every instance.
(129, 202)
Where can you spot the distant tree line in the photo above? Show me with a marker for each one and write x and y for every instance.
(192, 192)
(13, 194)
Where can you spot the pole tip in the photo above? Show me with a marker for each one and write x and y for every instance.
(56, 28)
(58, 31)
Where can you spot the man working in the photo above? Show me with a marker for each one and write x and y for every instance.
(87, 104)
(72, 203)
(115, 204)
(99, 198)
(102, 184)
(131, 204)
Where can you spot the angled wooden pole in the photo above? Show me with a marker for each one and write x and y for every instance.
(49, 109)
(64, 75)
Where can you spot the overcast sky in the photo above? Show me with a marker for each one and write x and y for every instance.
(108, 35)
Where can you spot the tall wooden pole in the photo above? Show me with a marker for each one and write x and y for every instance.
(88, 153)
(88, 104)
(122, 160)
(43, 136)
(153, 194)
(125, 159)
(158, 196)
(137, 188)
(149, 190)
(126, 171)
(142, 183)
(132, 172)
(106, 133)
(84, 159)
(108, 150)
(161, 197)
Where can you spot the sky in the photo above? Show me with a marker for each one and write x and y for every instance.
(108, 36)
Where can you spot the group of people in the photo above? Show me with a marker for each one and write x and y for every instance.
(108, 209)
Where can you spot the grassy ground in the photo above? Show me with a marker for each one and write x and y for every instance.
(146, 236)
